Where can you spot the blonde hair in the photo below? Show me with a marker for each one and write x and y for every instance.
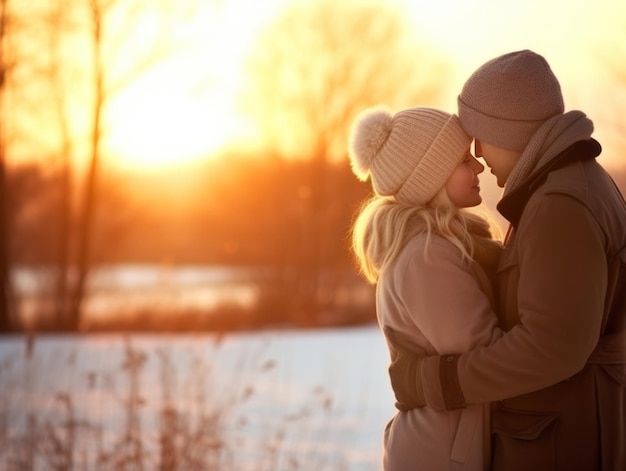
(384, 225)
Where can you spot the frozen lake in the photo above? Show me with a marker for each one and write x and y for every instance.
(127, 288)
(269, 400)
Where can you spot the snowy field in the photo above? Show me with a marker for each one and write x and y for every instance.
(270, 400)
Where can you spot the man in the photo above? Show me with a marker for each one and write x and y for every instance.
(558, 375)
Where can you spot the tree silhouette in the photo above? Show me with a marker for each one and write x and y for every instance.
(313, 69)
(75, 59)
(320, 63)
(6, 63)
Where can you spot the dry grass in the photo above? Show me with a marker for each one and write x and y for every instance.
(190, 429)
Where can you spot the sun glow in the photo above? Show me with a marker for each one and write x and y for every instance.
(155, 126)
(185, 108)
(182, 107)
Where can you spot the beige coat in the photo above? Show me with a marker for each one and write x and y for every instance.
(443, 305)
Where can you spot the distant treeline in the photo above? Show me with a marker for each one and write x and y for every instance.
(228, 211)
(290, 217)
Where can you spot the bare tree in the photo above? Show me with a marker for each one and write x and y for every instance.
(63, 84)
(322, 62)
(58, 25)
(315, 68)
(104, 46)
(98, 12)
(5, 282)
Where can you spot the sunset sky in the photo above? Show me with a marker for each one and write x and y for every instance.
(202, 82)
(185, 107)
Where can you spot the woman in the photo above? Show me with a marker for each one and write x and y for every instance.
(432, 261)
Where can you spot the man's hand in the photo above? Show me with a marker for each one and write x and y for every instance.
(404, 372)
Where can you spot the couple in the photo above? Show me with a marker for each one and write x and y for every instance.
(505, 357)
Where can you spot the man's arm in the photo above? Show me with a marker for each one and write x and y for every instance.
(560, 298)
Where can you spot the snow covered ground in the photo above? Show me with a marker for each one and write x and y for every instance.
(269, 400)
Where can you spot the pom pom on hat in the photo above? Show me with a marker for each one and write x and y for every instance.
(409, 155)
(508, 98)
(371, 131)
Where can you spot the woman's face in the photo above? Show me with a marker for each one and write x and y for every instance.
(462, 185)
(500, 161)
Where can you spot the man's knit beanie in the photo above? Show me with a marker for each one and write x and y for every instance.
(409, 155)
(506, 100)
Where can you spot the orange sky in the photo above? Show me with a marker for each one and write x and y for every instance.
(568, 32)
(573, 35)
(185, 107)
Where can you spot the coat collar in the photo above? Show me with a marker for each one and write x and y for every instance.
(513, 204)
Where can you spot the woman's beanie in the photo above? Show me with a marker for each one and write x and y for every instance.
(409, 155)
(506, 100)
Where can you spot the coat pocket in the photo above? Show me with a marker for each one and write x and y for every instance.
(523, 440)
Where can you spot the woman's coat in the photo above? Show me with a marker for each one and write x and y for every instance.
(432, 299)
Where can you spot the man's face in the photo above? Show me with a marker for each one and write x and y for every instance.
(500, 161)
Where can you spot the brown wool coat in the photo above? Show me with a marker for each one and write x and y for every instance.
(441, 304)
(559, 374)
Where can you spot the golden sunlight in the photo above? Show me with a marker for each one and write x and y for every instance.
(180, 107)
(185, 109)
(158, 127)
